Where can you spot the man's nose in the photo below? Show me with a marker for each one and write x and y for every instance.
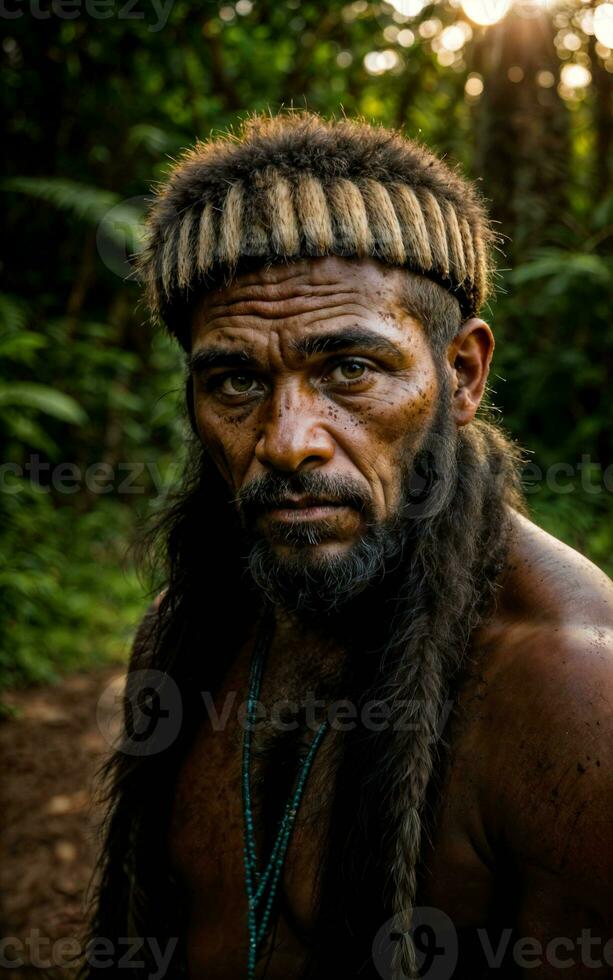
(294, 437)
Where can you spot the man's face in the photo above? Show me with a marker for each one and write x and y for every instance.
(311, 375)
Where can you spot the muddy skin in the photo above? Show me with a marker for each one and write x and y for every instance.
(523, 833)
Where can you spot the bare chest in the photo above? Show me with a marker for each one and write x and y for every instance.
(207, 825)
(207, 830)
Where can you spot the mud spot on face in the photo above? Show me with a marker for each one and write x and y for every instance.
(235, 420)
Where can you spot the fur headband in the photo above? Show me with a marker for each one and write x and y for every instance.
(296, 186)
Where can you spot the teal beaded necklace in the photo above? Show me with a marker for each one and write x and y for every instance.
(262, 887)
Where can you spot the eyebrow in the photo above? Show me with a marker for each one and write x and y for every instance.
(333, 341)
(323, 343)
(212, 357)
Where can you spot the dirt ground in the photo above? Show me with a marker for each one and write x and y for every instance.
(50, 752)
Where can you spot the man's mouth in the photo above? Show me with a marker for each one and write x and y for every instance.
(304, 509)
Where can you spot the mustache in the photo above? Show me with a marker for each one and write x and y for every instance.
(272, 490)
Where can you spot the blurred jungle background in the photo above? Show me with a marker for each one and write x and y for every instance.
(96, 98)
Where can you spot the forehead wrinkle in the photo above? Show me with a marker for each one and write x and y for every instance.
(248, 310)
(242, 340)
(231, 326)
(304, 274)
(276, 308)
(239, 291)
(253, 334)
(305, 286)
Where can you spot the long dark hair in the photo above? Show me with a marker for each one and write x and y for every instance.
(414, 630)
(387, 781)
(190, 636)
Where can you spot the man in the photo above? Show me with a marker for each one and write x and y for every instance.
(394, 749)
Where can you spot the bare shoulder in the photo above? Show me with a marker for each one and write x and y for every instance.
(554, 620)
(538, 707)
(552, 635)
(549, 580)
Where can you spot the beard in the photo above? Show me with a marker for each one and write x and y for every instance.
(302, 577)
(320, 583)
(455, 522)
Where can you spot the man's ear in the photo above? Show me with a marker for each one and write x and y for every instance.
(469, 355)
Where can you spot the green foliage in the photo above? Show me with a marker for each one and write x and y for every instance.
(67, 599)
(557, 345)
(556, 349)
(85, 381)
(121, 221)
(582, 520)
(87, 203)
(42, 399)
(13, 316)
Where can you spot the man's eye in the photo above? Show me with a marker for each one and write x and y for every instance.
(238, 384)
(349, 370)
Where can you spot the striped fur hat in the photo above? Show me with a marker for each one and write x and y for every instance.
(295, 186)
